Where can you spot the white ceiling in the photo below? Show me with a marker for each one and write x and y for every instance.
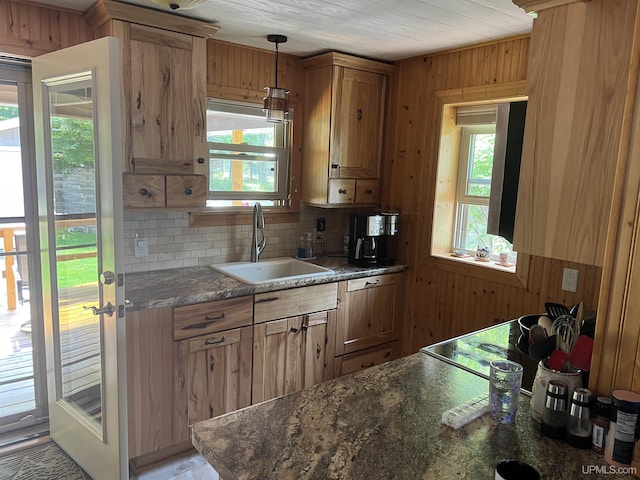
(382, 29)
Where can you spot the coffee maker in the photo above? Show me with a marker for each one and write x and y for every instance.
(368, 238)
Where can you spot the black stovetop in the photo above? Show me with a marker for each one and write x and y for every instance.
(475, 351)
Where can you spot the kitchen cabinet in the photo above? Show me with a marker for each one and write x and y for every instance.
(146, 191)
(214, 356)
(581, 86)
(366, 319)
(294, 339)
(343, 117)
(292, 353)
(164, 95)
(156, 395)
(364, 359)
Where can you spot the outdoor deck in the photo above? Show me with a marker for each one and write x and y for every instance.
(80, 352)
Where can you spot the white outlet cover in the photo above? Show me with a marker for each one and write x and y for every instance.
(570, 280)
(140, 247)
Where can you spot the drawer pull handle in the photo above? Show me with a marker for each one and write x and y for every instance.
(266, 300)
(188, 191)
(369, 191)
(386, 355)
(367, 365)
(200, 160)
(208, 341)
(342, 191)
(294, 330)
(207, 321)
(144, 192)
(371, 284)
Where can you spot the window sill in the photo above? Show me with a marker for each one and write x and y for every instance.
(240, 216)
(490, 271)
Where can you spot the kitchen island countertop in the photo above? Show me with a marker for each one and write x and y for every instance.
(189, 285)
(383, 423)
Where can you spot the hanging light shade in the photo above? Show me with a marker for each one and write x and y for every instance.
(179, 4)
(276, 103)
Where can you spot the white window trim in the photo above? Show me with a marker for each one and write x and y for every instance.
(282, 153)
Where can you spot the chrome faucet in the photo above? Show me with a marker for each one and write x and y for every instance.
(258, 224)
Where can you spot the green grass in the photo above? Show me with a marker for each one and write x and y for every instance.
(72, 273)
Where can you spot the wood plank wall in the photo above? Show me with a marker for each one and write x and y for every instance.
(441, 302)
(28, 30)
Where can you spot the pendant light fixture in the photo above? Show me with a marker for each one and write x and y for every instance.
(179, 4)
(276, 103)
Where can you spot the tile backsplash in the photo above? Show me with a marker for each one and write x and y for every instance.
(173, 243)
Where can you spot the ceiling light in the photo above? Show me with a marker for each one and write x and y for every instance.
(276, 103)
(179, 4)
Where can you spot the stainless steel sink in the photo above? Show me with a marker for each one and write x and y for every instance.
(274, 270)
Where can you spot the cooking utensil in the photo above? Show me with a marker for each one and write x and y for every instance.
(567, 330)
(555, 310)
(581, 354)
(537, 333)
(542, 349)
(557, 360)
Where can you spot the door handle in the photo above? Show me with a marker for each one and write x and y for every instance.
(108, 309)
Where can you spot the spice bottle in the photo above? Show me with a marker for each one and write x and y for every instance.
(602, 413)
(579, 423)
(623, 428)
(554, 415)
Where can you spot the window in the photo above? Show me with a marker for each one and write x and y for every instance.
(248, 156)
(473, 191)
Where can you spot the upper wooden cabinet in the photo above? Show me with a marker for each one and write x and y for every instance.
(164, 88)
(344, 103)
(581, 85)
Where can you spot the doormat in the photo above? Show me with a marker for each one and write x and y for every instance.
(46, 462)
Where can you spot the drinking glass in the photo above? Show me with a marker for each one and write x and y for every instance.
(505, 379)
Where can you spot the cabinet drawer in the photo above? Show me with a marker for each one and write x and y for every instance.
(341, 191)
(368, 191)
(211, 317)
(143, 190)
(186, 190)
(297, 301)
(219, 340)
(370, 282)
(365, 359)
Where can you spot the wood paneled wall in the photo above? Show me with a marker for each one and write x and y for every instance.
(28, 30)
(441, 302)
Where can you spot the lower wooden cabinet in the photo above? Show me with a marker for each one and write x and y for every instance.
(217, 372)
(156, 391)
(364, 359)
(293, 353)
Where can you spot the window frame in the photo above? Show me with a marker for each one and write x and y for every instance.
(445, 188)
(282, 151)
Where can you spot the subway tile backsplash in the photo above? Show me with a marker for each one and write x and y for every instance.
(172, 243)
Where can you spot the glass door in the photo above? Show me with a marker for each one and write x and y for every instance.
(23, 402)
(78, 150)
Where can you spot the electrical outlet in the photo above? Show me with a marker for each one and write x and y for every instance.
(570, 280)
(140, 247)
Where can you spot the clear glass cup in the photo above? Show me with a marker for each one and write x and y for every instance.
(505, 378)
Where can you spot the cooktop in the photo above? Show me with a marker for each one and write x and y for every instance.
(475, 351)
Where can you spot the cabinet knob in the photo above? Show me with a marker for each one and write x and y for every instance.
(200, 160)
(342, 191)
(144, 192)
(359, 114)
(369, 191)
(188, 191)
(335, 165)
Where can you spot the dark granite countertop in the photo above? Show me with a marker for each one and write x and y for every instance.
(188, 285)
(382, 423)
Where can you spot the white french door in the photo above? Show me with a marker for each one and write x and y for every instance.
(78, 152)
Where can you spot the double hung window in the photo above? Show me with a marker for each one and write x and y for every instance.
(248, 156)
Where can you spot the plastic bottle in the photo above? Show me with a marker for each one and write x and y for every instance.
(308, 245)
(602, 412)
(302, 248)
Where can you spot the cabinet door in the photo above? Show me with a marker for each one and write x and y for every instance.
(166, 100)
(367, 192)
(356, 127)
(366, 313)
(156, 393)
(186, 190)
(291, 354)
(341, 191)
(218, 373)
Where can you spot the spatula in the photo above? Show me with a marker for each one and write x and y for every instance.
(555, 310)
